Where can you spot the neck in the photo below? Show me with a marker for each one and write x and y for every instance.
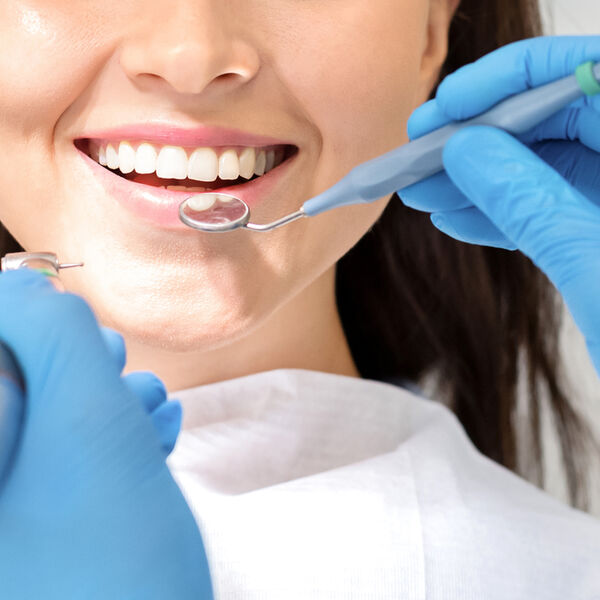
(305, 333)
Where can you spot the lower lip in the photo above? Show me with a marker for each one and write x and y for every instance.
(160, 207)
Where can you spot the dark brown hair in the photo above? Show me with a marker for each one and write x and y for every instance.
(415, 302)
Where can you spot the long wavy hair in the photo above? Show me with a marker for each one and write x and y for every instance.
(414, 302)
(485, 322)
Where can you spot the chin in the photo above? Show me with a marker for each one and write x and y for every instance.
(175, 330)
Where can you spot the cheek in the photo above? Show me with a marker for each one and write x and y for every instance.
(34, 80)
(51, 51)
(355, 71)
(37, 86)
(48, 56)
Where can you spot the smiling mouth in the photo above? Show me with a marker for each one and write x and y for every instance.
(176, 168)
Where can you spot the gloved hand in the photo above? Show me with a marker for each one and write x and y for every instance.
(89, 508)
(150, 390)
(543, 199)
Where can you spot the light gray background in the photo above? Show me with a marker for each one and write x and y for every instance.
(576, 17)
(567, 17)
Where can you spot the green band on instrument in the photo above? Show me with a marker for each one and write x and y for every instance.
(587, 80)
(47, 272)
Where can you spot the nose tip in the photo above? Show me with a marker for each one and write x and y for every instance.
(190, 54)
(191, 67)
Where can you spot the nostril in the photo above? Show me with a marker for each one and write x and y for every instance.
(227, 77)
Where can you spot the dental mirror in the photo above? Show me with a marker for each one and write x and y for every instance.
(217, 213)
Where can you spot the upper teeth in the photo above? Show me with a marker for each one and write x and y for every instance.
(176, 162)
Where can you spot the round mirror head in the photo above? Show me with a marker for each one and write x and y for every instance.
(214, 212)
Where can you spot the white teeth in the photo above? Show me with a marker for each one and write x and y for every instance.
(261, 162)
(229, 165)
(112, 157)
(203, 165)
(270, 161)
(183, 188)
(172, 163)
(145, 159)
(247, 163)
(126, 158)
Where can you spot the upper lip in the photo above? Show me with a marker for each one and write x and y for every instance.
(197, 136)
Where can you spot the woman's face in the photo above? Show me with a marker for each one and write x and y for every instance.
(332, 80)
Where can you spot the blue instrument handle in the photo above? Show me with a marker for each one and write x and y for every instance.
(422, 157)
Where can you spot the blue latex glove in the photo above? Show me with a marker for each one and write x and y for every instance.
(11, 412)
(496, 191)
(88, 508)
(150, 390)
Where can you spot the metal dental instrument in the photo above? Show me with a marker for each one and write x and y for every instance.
(48, 264)
(404, 166)
(218, 213)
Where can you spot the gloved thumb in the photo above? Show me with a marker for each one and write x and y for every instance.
(59, 347)
(166, 414)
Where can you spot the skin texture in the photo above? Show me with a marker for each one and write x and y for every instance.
(339, 78)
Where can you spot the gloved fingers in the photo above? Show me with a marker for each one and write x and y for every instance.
(167, 420)
(486, 89)
(58, 345)
(425, 119)
(511, 69)
(148, 388)
(550, 221)
(166, 415)
(579, 165)
(116, 346)
(470, 225)
(455, 214)
(434, 194)
(573, 124)
(514, 68)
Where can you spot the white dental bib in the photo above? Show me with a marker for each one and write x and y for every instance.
(312, 486)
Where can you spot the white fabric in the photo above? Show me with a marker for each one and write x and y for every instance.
(313, 486)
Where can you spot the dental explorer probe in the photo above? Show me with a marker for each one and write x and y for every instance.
(403, 166)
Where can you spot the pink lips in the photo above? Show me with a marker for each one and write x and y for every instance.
(161, 133)
(159, 206)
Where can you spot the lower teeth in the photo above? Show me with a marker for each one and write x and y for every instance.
(182, 188)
